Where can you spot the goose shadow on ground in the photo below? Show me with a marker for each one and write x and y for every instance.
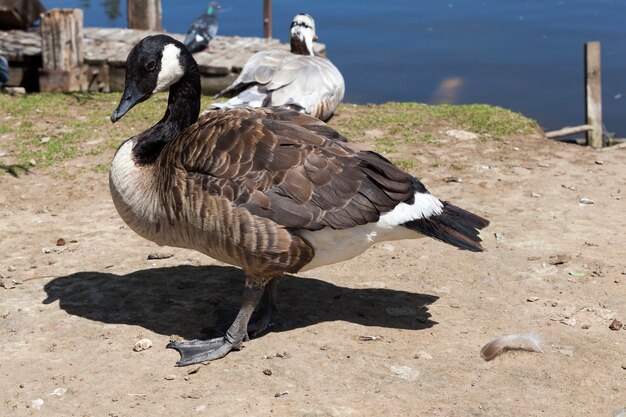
(182, 300)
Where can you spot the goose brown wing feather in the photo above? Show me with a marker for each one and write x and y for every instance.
(288, 167)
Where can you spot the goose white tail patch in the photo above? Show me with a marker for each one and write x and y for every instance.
(171, 71)
(425, 205)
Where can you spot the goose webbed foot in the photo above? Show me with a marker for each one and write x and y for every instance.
(196, 351)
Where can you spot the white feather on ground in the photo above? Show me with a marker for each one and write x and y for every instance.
(526, 341)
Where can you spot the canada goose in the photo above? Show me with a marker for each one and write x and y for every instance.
(298, 80)
(202, 30)
(272, 191)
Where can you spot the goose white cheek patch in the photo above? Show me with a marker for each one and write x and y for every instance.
(171, 71)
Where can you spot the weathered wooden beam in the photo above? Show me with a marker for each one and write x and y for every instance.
(267, 19)
(63, 61)
(568, 131)
(144, 14)
(593, 96)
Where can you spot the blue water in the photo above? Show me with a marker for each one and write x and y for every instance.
(524, 55)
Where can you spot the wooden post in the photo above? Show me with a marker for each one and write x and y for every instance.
(267, 19)
(593, 96)
(62, 51)
(144, 14)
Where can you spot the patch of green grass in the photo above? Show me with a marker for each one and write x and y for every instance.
(403, 164)
(484, 119)
(407, 121)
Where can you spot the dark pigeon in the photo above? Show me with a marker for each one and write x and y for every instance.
(202, 30)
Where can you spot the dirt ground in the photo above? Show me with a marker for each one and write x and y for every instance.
(396, 331)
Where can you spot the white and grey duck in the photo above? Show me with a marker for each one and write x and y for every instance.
(295, 79)
(272, 191)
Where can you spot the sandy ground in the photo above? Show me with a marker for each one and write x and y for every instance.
(394, 332)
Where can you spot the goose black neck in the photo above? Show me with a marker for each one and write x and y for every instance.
(183, 108)
(299, 47)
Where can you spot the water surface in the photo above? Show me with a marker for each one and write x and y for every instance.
(524, 55)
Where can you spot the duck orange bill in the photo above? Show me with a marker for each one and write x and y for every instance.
(130, 97)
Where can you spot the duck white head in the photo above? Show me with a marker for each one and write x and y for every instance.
(156, 63)
(302, 34)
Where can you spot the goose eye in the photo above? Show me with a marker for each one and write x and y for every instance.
(151, 65)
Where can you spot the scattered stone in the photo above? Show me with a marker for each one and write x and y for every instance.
(452, 179)
(461, 134)
(569, 187)
(60, 242)
(499, 237)
(13, 269)
(59, 392)
(32, 162)
(160, 255)
(532, 299)
(367, 338)
(598, 162)
(7, 283)
(405, 372)
(37, 404)
(586, 200)
(170, 377)
(544, 165)
(280, 394)
(422, 355)
(619, 413)
(615, 325)
(570, 321)
(554, 304)
(585, 326)
(535, 195)
(559, 259)
(143, 344)
(45, 139)
(46, 250)
(576, 274)
(267, 372)
(193, 370)
(591, 244)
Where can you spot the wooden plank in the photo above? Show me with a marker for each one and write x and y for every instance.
(62, 39)
(593, 96)
(63, 60)
(144, 14)
(568, 131)
(267, 19)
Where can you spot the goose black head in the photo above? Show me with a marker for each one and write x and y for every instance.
(302, 34)
(154, 64)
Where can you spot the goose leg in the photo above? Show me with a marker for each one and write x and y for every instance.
(267, 308)
(196, 351)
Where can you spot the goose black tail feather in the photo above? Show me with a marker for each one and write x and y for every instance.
(454, 225)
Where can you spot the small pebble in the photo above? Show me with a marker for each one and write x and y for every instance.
(280, 394)
(160, 255)
(170, 377)
(599, 162)
(193, 370)
(569, 321)
(60, 242)
(267, 372)
(532, 299)
(585, 326)
(369, 338)
(535, 195)
(615, 325)
(586, 200)
(142, 344)
(423, 355)
(37, 404)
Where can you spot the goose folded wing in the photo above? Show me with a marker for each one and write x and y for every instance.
(296, 175)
